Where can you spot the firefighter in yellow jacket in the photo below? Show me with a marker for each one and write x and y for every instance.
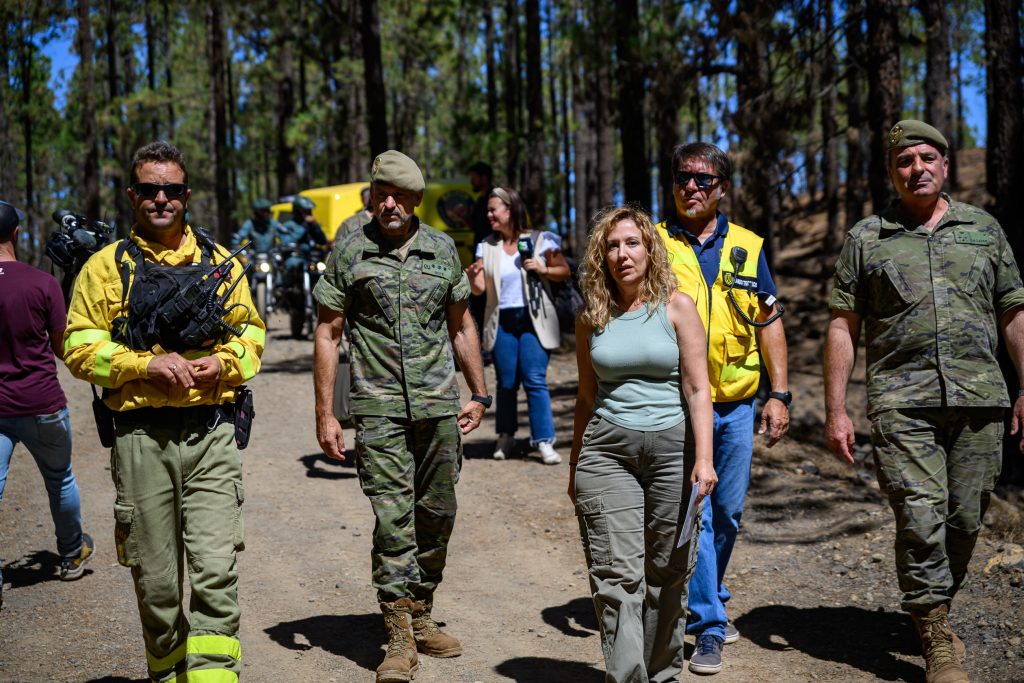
(170, 358)
(723, 268)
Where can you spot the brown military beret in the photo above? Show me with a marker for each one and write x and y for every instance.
(910, 132)
(394, 168)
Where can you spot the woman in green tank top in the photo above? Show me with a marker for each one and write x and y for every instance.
(641, 443)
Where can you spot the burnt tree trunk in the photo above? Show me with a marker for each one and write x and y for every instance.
(857, 133)
(217, 38)
(636, 175)
(938, 81)
(885, 92)
(373, 76)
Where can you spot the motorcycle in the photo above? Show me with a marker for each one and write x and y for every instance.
(261, 280)
(297, 295)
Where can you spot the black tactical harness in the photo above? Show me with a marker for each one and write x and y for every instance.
(150, 320)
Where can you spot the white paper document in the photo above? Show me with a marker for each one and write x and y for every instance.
(690, 520)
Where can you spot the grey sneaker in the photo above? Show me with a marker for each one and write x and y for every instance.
(707, 655)
(731, 633)
(72, 568)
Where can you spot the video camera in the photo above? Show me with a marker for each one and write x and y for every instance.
(76, 240)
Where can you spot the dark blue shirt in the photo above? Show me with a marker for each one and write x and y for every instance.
(709, 256)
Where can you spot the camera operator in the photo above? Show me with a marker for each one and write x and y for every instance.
(33, 409)
(175, 465)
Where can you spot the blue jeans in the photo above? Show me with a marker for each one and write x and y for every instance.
(734, 448)
(48, 439)
(520, 358)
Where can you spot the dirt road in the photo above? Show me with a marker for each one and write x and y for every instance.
(814, 591)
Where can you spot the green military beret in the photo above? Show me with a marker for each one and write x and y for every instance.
(304, 203)
(910, 132)
(260, 205)
(394, 168)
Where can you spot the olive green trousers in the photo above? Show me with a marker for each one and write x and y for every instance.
(179, 498)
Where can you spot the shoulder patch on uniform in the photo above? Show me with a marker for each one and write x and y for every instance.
(963, 236)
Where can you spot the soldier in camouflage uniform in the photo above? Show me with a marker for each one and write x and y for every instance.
(399, 285)
(358, 219)
(932, 280)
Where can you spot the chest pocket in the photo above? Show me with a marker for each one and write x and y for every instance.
(373, 303)
(982, 273)
(889, 290)
(428, 291)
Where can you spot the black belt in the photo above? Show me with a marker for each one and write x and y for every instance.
(210, 415)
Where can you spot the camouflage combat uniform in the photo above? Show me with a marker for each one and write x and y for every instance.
(930, 302)
(404, 396)
(353, 222)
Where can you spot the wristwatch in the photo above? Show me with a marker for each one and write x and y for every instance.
(485, 401)
(784, 396)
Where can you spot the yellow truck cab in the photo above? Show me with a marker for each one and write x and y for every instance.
(447, 205)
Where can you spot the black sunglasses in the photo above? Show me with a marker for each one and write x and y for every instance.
(704, 180)
(151, 190)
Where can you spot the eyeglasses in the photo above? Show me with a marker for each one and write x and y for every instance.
(151, 190)
(703, 180)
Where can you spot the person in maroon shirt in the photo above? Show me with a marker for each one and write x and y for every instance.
(33, 409)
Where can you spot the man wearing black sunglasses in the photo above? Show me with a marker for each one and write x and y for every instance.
(722, 267)
(175, 463)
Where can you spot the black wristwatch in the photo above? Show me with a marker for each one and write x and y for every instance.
(485, 401)
(784, 396)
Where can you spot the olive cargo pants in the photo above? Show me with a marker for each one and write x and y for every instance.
(938, 467)
(179, 497)
(408, 470)
(631, 493)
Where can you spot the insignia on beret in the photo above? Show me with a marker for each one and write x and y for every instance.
(375, 167)
(895, 134)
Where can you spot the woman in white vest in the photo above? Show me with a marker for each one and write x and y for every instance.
(515, 266)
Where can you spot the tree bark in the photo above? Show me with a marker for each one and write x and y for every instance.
(885, 92)
(168, 70)
(511, 74)
(491, 69)
(636, 175)
(287, 177)
(373, 74)
(1005, 99)
(8, 181)
(535, 181)
(154, 120)
(90, 145)
(857, 134)
(829, 130)
(938, 82)
(217, 38)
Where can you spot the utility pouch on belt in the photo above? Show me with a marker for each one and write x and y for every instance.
(244, 413)
(104, 420)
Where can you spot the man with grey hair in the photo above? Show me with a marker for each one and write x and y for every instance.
(399, 285)
(932, 280)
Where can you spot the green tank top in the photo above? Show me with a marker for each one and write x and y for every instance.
(636, 361)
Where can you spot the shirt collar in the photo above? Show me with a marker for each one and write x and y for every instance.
(158, 253)
(892, 218)
(678, 231)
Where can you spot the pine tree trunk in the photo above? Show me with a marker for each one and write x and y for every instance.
(1005, 99)
(829, 132)
(938, 82)
(90, 144)
(636, 176)
(857, 134)
(511, 77)
(373, 74)
(885, 92)
(287, 179)
(535, 183)
(218, 90)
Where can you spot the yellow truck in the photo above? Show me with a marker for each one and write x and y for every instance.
(447, 205)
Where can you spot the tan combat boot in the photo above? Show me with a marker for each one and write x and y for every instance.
(430, 639)
(400, 660)
(937, 643)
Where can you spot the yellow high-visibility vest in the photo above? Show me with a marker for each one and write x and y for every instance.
(734, 363)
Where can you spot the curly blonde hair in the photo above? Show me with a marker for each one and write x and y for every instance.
(596, 283)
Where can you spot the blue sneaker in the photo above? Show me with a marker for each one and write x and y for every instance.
(707, 654)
